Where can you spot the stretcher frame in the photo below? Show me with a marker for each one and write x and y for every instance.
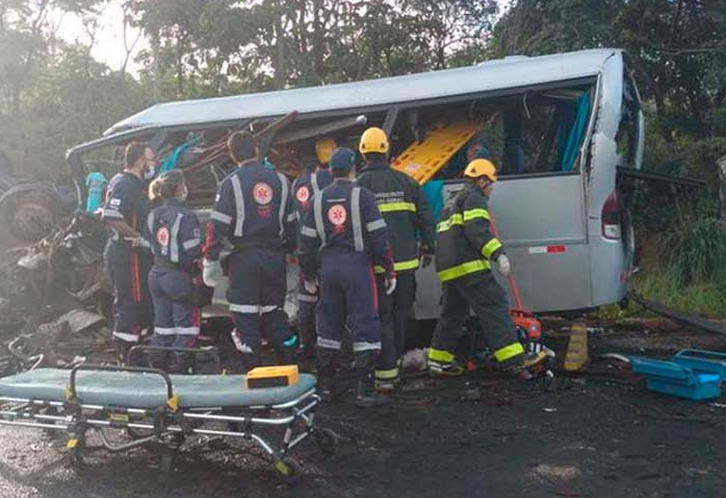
(170, 425)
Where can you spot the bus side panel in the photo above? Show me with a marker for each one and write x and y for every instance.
(541, 221)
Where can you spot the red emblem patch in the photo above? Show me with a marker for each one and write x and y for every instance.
(337, 215)
(262, 193)
(303, 194)
(162, 236)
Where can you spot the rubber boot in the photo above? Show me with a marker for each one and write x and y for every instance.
(366, 395)
(327, 360)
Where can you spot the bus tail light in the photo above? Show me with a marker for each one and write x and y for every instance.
(611, 216)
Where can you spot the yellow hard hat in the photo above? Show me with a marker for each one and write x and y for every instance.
(481, 167)
(374, 140)
(324, 148)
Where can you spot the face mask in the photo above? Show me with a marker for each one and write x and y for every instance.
(184, 193)
(150, 173)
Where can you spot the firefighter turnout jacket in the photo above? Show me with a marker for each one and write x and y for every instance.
(406, 210)
(466, 244)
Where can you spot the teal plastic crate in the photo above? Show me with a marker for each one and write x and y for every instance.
(675, 379)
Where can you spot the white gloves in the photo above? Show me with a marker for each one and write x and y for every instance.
(212, 273)
(311, 286)
(505, 267)
(390, 285)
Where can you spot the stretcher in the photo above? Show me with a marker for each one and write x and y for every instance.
(155, 407)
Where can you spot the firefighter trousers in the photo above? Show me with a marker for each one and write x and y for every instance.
(486, 298)
(395, 311)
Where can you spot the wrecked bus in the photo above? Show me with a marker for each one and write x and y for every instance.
(558, 126)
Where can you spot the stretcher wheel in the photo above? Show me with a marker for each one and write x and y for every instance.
(288, 470)
(328, 441)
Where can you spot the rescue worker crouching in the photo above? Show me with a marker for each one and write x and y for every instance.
(315, 177)
(342, 237)
(176, 245)
(464, 253)
(409, 217)
(254, 210)
(127, 256)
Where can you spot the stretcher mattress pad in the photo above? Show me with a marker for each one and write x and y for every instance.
(144, 390)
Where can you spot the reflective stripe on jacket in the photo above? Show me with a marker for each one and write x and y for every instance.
(466, 244)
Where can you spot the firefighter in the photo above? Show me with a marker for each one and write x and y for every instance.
(313, 179)
(408, 215)
(464, 254)
(175, 239)
(127, 258)
(347, 235)
(254, 210)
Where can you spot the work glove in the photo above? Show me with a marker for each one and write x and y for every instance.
(212, 273)
(505, 267)
(311, 286)
(390, 285)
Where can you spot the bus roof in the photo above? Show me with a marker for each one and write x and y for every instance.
(510, 72)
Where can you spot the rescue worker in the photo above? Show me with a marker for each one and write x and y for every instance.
(346, 234)
(410, 222)
(127, 256)
(176, 245)
(465, 250)
(254, 210)
(313, 179)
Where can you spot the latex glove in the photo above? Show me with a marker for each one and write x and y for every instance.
(390, 285)
(311, 286)
(212, 273)
(136, 242)
(426, 260)
(505, 267)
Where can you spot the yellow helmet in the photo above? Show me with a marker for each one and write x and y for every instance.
(374, 140)
(481, 167)
(324, 148)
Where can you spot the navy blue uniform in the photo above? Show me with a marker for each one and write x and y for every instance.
(176, 245)
(128, 267)
(305, 187)
(346, 235)
(254, 210)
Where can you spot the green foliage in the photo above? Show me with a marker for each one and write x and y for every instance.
(695, 251)
(703, 299)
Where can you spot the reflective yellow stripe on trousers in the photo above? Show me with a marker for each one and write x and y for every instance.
(411, 264)
(463, 269)
(508, 352)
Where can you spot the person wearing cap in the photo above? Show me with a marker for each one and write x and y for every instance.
(343, 236)
(315, 177)
(409, 216)
(176, 245)
(465, 251)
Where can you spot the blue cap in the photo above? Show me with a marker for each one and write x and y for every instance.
(343, 159)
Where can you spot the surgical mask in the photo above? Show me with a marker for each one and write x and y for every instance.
(184, 193)
(149, 173)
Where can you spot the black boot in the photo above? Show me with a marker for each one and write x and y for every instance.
(366, 395)
(327, 361)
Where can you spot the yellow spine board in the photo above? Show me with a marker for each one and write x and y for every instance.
(423, 160)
